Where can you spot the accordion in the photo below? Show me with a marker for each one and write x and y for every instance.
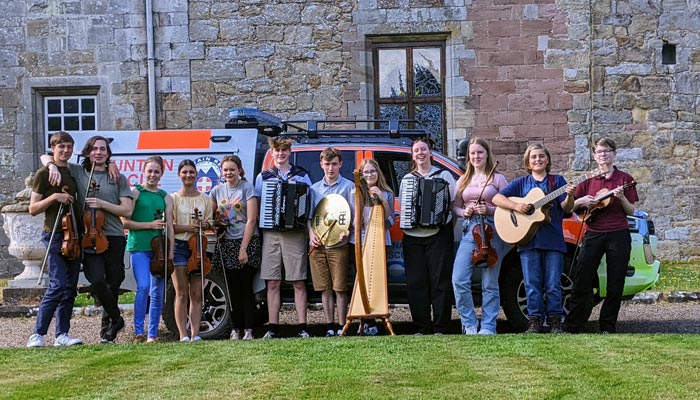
(425, 203)
(284, 205)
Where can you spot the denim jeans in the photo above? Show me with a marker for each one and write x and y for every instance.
(60, 295)
(462, 280)
(146, 285)
(542, 271)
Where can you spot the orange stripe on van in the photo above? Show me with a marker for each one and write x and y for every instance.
(169, 140)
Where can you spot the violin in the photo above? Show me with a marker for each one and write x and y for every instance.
(198, 260)
(220, 223)
(159, 244)
(483, 252)
(70, 248)
(94, 219)
(482, 232)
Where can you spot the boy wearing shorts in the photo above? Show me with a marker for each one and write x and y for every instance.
(286, 248)
(329, 264)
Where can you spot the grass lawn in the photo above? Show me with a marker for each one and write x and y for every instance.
(407, 367)
(678, 275)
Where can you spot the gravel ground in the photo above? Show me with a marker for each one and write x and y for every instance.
(634, 318)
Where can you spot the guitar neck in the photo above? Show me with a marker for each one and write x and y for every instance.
(553, 195)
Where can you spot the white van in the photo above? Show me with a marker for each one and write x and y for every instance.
(206, 147)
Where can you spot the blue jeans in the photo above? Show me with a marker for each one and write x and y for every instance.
(63, 284)
(146, 285)
(542, 271)
(462, 280)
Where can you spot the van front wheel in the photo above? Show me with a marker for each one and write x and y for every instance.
(216, 314)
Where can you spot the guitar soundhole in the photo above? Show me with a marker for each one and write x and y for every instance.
(513, 218)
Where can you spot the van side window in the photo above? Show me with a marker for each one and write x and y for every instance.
(394, 166)
(309, 160)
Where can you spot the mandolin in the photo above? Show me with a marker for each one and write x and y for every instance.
(603, 198)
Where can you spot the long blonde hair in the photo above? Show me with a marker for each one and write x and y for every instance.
(469, 173)
(381, 181)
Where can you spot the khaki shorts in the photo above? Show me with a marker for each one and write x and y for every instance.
(329, 268)
(286, 249)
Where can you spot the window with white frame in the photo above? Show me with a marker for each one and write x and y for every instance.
(70, 113)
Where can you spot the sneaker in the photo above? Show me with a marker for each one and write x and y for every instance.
(303, 334)
(65, 340)
(486, 332)
(534, 325)
(371, 330)
(248, 335)
(270, 335)
(339, 332)
(106, 341)
(36, 340)
(114, 328)
(152, 340)
(555, 325)
(139, 339)
(235, 334)
(329, 333)
(468, 330)
(197, 339)
(185, 339)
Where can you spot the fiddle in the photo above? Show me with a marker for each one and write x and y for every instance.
(198, 260)
(482, 233)
(94, 219)
(159, 244)
(220, 223)
(483, 253)
(70, 247)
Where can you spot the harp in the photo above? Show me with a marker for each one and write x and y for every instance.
(370, 296)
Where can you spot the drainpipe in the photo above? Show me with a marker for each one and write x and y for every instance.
(151, 66)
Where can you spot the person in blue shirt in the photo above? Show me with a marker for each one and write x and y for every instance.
(330, 263)
(542, 257)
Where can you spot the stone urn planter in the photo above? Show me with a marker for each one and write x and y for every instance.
(24, 232)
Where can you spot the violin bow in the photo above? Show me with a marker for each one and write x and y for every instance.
(53, 232)
(165, 257)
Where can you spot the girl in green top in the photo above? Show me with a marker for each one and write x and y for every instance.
(146, 223)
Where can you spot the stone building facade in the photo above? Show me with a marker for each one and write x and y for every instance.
(562, 72)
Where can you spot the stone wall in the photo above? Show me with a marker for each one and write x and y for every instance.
(562, 72)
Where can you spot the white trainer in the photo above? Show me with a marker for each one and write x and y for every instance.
(36, 340)
(65, 340)
(248, 334)
(468, 330)
(185, 339)
(235, 334)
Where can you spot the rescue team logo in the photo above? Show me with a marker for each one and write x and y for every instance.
(208, 173)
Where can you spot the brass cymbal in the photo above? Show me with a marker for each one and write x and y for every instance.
(331, 219)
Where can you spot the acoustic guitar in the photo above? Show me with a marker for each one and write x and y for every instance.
(603, 198)
(518, 228)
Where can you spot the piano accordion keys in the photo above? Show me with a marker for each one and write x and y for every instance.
(425, 203)
(284, 205)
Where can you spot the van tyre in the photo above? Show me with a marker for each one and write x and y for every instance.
(216, 315)
(513, 296)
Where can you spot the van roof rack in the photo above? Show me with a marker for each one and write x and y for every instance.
(348, 128)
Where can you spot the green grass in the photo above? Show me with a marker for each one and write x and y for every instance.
(84, 299)
(407, 367)
(678, 275)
